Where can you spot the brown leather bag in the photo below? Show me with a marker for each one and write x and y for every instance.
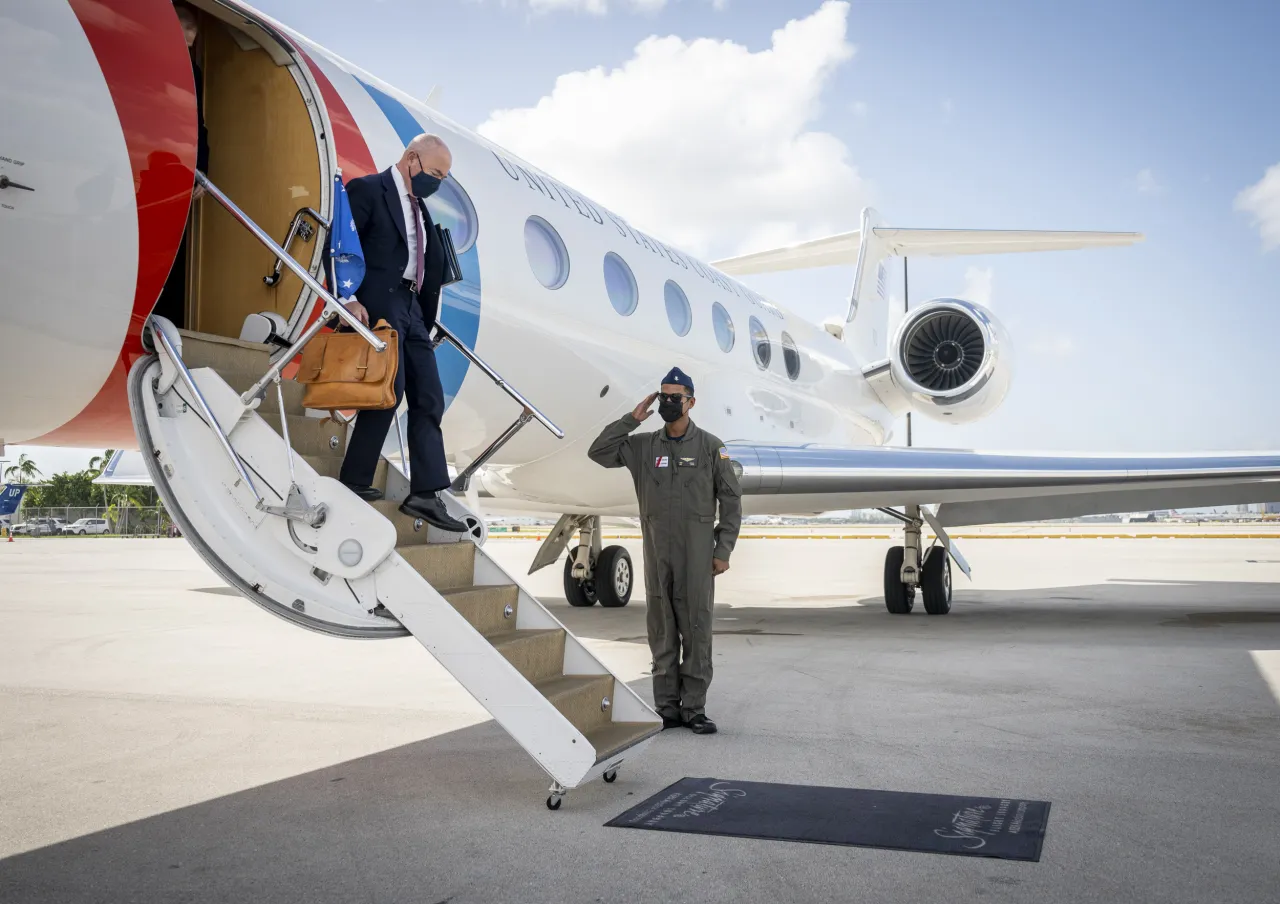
(342, 372)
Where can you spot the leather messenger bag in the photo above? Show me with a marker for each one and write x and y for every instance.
(342, 372)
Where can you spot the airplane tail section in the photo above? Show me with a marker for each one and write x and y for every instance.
(868, 248)
(10, 498)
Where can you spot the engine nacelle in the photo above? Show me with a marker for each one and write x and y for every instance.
(950, 360)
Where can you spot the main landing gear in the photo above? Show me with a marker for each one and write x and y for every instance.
(593, 574)
(907, 568)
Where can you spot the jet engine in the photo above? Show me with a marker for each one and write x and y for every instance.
(950, 360)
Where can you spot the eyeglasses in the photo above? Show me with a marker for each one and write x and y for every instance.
(672, 397)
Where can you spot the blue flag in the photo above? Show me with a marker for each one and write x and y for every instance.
(10, 497)
(344, 244)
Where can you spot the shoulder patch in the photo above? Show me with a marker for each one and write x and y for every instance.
(724, 452)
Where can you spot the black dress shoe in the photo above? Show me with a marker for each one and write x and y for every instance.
(671, 722)
(368, 494)
(699, 724)
(430, 508)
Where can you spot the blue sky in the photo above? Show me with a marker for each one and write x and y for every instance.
(1147, 116)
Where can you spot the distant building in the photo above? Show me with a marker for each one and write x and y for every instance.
(1271, 508)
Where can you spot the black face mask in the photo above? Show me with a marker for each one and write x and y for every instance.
(670, 411)
(424, 185)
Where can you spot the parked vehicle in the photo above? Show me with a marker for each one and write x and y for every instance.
(87, 526)
(40, 527)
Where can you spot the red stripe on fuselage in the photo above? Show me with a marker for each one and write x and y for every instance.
(144, 59)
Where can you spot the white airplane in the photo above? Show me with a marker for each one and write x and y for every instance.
(579, 312)
(577, 309)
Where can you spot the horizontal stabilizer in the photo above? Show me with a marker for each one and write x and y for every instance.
(835, 250)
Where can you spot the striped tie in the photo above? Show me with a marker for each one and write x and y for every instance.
(422, 244)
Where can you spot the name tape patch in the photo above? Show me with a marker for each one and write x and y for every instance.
(661, 462)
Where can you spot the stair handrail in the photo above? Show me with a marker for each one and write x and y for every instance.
(502, 384)
(331, 305)
(161, 338)
(296, 227)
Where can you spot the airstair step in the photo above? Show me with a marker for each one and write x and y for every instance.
(241, 380)
(611, 739)
(537, 654)
(309, 435)
(490, 609)
(331, 466)
(443, 564)
(224, 354)
(580, 698)
(406, 534)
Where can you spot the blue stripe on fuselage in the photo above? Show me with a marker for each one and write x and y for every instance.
(460, 304)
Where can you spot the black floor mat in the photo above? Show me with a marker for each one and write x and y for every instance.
(1007, 829)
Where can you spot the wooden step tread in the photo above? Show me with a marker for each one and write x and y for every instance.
(520, 635)
(614, 737)
(563, 685)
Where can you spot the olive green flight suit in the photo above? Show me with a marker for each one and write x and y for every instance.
(678, 483)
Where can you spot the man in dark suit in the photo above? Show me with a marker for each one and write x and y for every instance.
(404, 267)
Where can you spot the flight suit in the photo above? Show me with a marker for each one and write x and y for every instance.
(678, 483)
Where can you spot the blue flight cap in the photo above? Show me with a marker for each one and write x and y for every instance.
(680, 378)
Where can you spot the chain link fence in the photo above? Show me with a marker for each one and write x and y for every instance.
(109, 521)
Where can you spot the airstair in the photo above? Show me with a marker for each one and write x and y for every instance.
(251, 479)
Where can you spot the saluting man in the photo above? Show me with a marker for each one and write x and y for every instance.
(681, 473)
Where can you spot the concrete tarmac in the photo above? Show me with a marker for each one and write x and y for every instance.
(163, 740)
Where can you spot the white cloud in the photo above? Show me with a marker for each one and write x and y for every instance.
(601, 7)
(702, 141)
(977, 284)
(1147, 184)
(1262, 201)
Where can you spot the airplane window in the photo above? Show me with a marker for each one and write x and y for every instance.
(451, 208)
(724, 327)
(548, 258)
(620, 283)
(760, 346)
(678, 311)
(791, 356)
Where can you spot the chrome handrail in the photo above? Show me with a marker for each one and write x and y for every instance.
(331, 305)
(497, 378)
(296, 227)
(198, 398)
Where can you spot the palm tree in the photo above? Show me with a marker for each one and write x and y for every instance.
(25, 471)
(97, 465)
(99, 462)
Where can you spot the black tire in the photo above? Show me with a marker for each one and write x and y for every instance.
(935, 581)
(610, 777)
(553, 803)
(613, 571)
(581, 594)
(899, 598)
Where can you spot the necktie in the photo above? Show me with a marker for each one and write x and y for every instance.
(421, 242)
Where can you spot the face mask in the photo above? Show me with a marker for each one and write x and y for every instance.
(670, 411)
(424, 184)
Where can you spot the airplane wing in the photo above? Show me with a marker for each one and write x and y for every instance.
(989, 488)
(842, 248)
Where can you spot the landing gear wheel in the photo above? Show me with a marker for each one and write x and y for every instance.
(553, 802)
(899, 598)
(579, 593)
(935, 581)
(610, 777)
(614, 577)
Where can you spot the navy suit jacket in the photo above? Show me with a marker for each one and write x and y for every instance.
(375, 206)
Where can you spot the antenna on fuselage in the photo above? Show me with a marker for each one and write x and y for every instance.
(433, 97)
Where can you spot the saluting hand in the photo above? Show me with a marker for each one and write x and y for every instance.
(642, 410)
(719, 566)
